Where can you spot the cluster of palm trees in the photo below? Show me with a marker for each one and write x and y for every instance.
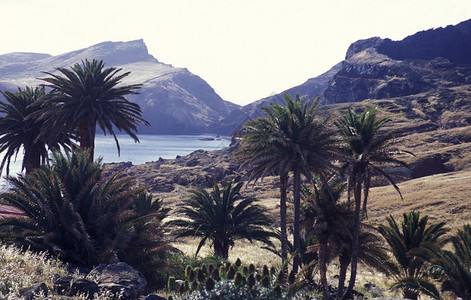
(67, 108)
(293, 140)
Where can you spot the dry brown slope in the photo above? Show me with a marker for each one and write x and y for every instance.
(443, 197)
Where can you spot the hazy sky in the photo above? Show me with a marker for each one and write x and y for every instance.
(245, 49)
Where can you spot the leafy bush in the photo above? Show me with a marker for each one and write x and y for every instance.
(77, 214)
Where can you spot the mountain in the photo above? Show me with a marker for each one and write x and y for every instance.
(422, 82)
(173, 100)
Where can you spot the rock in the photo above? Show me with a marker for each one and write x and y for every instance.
(152, 297)
(83, 287)
(33, 291)
(120, 279)
(61, 285)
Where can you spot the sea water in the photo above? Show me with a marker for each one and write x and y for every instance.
(150, 148)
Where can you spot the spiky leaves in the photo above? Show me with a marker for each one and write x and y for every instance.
(73, 211)
(405, 239)
(87, 95)
(366, 150)
(291, 138)
(222, 217)
(451, 268)
(18, 130)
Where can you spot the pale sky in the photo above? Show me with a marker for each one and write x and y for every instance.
(245, 49)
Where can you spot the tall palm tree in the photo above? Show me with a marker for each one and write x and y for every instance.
(18, 130)
(290, 138)
(413, 234)
(366, 151)
(88, 95)
(331, 223)
(324, 219)
(223, 217)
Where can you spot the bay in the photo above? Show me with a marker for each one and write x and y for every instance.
(150, 148)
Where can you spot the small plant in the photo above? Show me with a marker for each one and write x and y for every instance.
(221, 217)
(233, 284)
(171, 284)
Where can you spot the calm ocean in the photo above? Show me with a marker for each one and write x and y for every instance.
(150, 148)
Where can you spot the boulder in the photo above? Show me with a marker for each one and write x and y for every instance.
(153, 297)
(61, 285)
(83, 287)
(30, 293)
(119, 279)
(70, 286)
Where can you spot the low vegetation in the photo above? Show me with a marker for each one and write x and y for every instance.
(71, 211)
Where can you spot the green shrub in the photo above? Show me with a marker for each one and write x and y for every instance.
(77, 213)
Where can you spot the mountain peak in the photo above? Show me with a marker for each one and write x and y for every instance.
(114, 53)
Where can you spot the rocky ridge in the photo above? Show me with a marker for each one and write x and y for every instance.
(173, 100)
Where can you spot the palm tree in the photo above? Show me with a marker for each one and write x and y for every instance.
(289, 139)
(371, 250)
(406, 239)
(88, 95)
(74, 212)
(325, 220)
(331, 223)
(366, 152)
(18, 130)
(222, 217)
(451, 268)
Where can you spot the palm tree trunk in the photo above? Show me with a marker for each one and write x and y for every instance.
(283, 233)
(323, 253)
(356, 234)
(87, 137)
(297, 217)
(32, 159)
(344, 260)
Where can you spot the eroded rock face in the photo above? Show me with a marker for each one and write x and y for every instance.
(119, 279)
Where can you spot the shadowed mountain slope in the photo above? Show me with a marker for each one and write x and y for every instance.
(173, 100)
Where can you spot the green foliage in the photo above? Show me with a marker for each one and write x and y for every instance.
(209, 284)
(365, 151)
(405, 241)
(222, 217)
(19, 130)
(86, 96)
(76, 213)
(178, 263)
(252, 286)
(171, 285)
(291, 138)
(451, 268)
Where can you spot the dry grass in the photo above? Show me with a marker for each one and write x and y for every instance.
(23, 269)
(246, 251)
(444, 197)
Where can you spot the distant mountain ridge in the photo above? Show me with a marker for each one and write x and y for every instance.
(173, 100)
(378, 68)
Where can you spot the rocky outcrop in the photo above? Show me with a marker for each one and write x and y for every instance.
(452, 43)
